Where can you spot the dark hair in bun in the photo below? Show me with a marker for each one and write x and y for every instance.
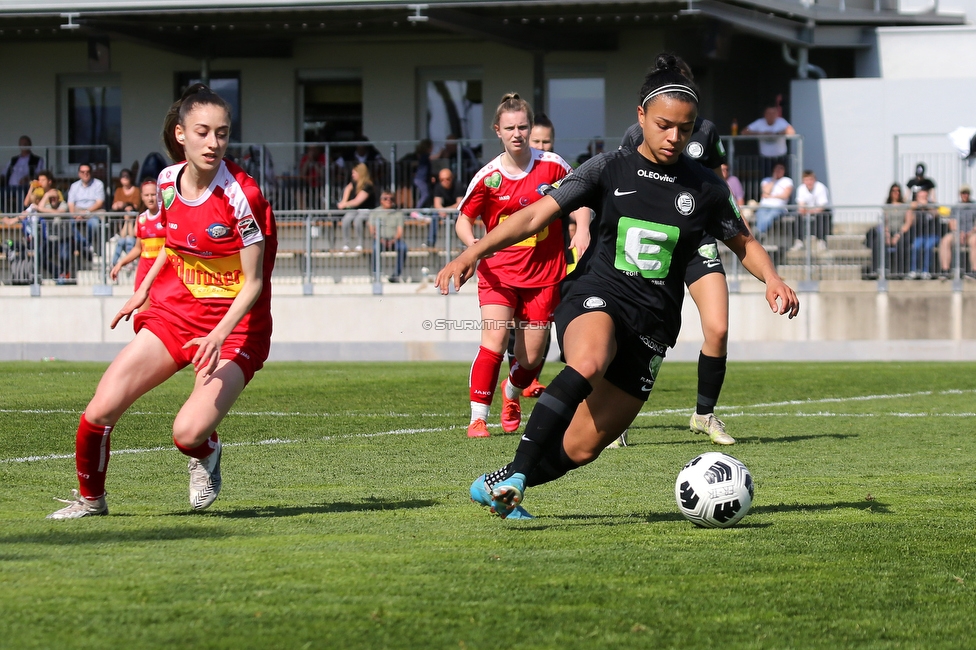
(669, 78)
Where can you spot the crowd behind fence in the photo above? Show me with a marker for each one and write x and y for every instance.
(304, 182)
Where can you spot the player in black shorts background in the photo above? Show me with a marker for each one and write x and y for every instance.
(618, 319)
(705, 279)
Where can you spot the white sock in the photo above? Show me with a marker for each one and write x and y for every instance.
(511, 390)
(479, 411)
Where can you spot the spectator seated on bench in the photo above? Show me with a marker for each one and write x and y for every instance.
(386, 230)
(776, 192)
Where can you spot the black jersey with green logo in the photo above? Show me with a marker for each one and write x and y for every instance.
(651, 219)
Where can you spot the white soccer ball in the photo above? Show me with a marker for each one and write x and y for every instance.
(714, 490)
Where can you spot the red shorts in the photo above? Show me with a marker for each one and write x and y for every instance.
(533, 305)
(248, 351)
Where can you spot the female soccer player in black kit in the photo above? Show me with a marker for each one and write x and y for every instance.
(618, 318)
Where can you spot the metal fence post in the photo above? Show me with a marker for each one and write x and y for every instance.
(377, 281)
(35, 290)
(307, 288)
(104, 288)
(883, 258)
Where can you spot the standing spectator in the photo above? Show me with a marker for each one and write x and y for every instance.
(961, 221)
(447, 196)
(18, 173)
(919, 182)
(770, 124)
(885, 241)
(360, 196)
(23, 167)
(386, 231)
(776, 192)
(126, 193)
(812, 198)
(735, 185)
(449, 155)
(421, 174)
(922, 225)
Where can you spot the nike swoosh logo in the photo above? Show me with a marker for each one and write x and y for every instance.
(526, 439)
(645, 389)
(617, 192)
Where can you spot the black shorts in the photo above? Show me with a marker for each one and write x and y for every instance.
(635, 366)
(705, 261)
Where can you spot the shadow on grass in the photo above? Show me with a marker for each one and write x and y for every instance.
(698, 439)
(74, 535)
(659, 517)
(322, 508)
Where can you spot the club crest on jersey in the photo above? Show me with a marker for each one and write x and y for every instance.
(594, 302)
(191, 240)
(217, 231)
(544, 189)
(524, 201)
(494, 181)
(694, 150)
(709, 251)
(685, 203)
(169, 194)
(142, 218)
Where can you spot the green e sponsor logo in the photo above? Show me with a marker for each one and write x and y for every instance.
(645, 248)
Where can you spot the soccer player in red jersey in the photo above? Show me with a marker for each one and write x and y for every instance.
(211, 304)
(519, 283)
(150, 235)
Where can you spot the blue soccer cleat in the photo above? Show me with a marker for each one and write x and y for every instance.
(481, 495)
(506, 495)
(479, 492)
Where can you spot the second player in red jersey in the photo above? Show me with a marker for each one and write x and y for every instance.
(150, 236)
(519, 283)
(211, 305)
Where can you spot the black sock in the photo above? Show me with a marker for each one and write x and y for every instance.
(550, 418)
(554, 464)
(711, 376)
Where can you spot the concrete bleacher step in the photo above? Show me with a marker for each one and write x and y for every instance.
(846, 242)
(798, 272)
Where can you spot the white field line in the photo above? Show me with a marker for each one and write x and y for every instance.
(727, 411)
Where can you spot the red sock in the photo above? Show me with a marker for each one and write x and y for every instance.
(91, 457)
(521, 376)
(484, 375)
(200, 451)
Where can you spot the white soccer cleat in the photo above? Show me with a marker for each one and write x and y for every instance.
(78, 507)
(713, 427)
(621, 441)
(205, 479)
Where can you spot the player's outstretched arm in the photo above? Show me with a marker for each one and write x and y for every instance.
(524, 223)
(781, 298)
(139, 298)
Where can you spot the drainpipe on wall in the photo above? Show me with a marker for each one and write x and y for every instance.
(804, 69)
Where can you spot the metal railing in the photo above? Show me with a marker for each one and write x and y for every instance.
(318, 247)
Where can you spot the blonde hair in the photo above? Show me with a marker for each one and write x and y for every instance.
(364, 178)
(512, 103)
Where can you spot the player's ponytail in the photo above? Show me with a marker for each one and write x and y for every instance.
(669, 79)
(512, 103)
(195, 95)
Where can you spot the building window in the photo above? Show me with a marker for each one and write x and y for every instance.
(93, 120)
(227, 85)
(577, 110)
(451, 104)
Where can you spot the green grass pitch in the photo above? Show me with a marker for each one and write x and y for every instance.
(344, 520)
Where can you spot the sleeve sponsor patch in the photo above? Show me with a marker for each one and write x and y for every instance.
(249, 231)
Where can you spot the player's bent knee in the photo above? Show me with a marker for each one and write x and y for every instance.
(187, 434)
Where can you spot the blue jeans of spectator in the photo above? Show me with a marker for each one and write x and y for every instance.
(922, 251)
(122, 247)
(435, 220)
(765, 218)
(397, 245)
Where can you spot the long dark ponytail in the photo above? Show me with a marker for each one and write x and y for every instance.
(195, 95)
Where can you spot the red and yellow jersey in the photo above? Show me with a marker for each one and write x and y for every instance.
(151, 230)
(204, 239)
(493, 195)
